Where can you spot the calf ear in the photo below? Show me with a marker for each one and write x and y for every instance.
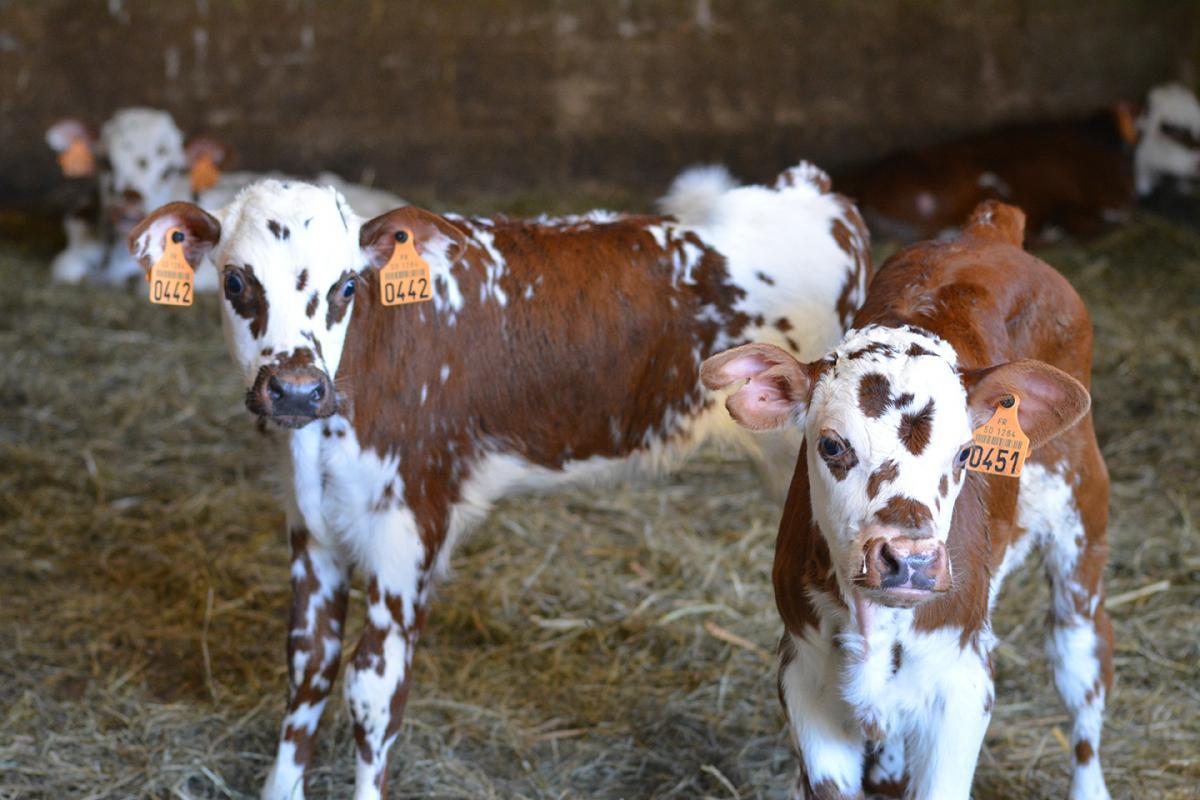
(197, 147)
(76, 144)
(777, 387)
(436, 239)
(1051, 400)
(201, 232)
(1125, 115)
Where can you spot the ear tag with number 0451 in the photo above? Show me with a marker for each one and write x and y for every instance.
(204, 174)
(171, 276)
(405, 277)
(1000, 446)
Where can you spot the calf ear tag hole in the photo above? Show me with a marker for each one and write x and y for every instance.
(999, 446)
(171, 277)
(405, 277)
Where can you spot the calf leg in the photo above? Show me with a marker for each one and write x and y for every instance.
(378, 677)
(314, 651)
(1079, 634)
(943, 747)
(829, 740)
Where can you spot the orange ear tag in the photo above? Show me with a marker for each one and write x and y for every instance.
(405, 277)
(77, 160)
(204, 173)
(1000, 446)
(171, 276)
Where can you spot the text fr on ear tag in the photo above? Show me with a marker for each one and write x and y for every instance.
(171, 276)
(1000, 446)
(405, 277)
(77, 160)
(204, 173)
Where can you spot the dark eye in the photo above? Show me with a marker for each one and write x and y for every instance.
(348, 289)
(233, 284)
(830, 447)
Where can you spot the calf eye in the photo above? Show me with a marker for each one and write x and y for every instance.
(233, 284)
(830, 447)
(348, 289)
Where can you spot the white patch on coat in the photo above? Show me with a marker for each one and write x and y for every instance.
(1156, 155)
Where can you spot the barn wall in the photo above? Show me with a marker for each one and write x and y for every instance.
(468, 95)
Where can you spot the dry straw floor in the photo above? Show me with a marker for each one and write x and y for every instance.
(603, 643)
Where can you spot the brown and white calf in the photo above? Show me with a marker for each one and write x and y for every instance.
(141, 161)
(549, 350)
(891, 552)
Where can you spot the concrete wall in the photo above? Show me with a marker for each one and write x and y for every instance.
(457, 96)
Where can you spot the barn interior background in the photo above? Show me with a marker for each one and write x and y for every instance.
(599, 643)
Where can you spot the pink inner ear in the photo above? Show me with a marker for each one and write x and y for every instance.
(745, 366)
(763, 402)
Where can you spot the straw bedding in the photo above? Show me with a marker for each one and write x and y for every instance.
(600, 643)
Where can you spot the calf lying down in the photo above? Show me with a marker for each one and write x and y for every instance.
(141, 161)
(547, 350)
(891, 550)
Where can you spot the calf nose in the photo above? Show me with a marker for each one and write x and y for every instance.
(296, 396)
(292, 397)
(905, 563)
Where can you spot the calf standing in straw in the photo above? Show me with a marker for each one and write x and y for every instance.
(892, 548)
(530, 353)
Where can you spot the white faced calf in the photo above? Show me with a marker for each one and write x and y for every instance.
(891, 551)
(546, 350)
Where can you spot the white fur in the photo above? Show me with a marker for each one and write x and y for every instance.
(695, 193)
(1157, 156)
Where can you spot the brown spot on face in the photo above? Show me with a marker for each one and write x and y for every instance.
(884, 473)
(903, 400)
(874, 347)
(943, 486)
(915, 429)
(280, 232)
(897, 657)
(905, 513)
(783, 325)
(302, 280)
(874, 394)
(765, 278)
(311, 308)
(915, 350)
(1084, 751)
(791, 343)
(266, 351)
(251, 303)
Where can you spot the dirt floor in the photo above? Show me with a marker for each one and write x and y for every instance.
(603, 643)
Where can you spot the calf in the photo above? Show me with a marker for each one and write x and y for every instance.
(547, 350)
(145, 163)
(891, 552)
(1168, 139)
(1071, 175)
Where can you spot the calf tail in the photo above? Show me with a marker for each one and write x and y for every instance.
(693, 195)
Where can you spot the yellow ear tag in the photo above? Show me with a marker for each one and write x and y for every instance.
(77, 160)
(1000, 446)
(171, 276)
(405, 277)
(204, 173)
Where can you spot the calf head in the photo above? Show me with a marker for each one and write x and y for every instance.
(143, 160)
(887, 421)
(291, 258)
(1168, 137)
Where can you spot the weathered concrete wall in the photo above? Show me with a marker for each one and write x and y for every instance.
(465, 95)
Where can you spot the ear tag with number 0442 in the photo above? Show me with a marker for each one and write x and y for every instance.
(204, 174)
(1000, 446)
(405, 277)
(171, 276)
